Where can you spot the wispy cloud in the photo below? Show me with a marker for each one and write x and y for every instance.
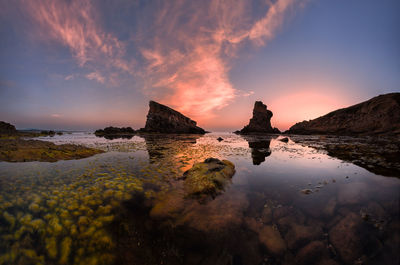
(56, 115)
(76, 25)
(186, 47)
(191, 60)
(96, 76)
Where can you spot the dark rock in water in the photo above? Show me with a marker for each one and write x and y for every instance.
(220, 139)
(349, 240)
(115, 132)
(300, 235)
(48, 133)
(260, 122)
(311, 253)
(284, 140)
(379, 115)
(208, 177)
(7, 128)
(162, 119)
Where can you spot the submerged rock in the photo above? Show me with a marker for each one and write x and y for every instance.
(260, 122)
(208, 177)
(162, 119)
(379, 115)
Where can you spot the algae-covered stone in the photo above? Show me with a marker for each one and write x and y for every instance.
(208, 177)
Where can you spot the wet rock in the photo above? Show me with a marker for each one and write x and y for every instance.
(266, 215)
(282, 211)
(352, 193)
(311, 253)
(260, 122)
(162, 119)
(379, 115)
(306, 191)
(115, 132)
(330, 207)
(20, 150)
(209, 177)
(271, 238)
(219, 139)
(299, 235)
(345, 239)
(284, 140)
(7, 128)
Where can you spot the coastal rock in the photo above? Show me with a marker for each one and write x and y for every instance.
(7, 128)
(162, 119)
(272, 240)
(260, 122)
(379, 115)
(115, 132)
(208, 177)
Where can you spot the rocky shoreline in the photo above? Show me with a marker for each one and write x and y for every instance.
(15, 148)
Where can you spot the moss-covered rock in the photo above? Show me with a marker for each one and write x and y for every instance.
(20, 150)
(208, 177)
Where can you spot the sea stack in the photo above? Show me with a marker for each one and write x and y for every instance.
(162, 119)
(260, 122)
(379, 115)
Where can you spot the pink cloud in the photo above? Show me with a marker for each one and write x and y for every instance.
(76, 25)
(188, 63)
(96, 76)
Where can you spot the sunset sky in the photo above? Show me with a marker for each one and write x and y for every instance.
(81, 64)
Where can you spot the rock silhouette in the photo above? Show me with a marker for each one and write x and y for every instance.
(379, 115)
(7, 128)
(260, 122)
(162, 119)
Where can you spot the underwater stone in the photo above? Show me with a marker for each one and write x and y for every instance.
(272, 240)
(208, 177)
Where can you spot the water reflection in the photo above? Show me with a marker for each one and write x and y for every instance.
(260, 147)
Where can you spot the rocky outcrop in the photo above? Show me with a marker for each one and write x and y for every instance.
(379, 115)
(115, 132)
(162, 119)
(260, 122)
(6, 128)
(208, 177)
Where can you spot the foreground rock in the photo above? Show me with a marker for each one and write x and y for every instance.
(208, 177)
(19, 150)
(6, 128)
(162, 119)
(260, 122)
(115, 132)
(379, 115)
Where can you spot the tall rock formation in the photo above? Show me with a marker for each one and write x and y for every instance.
(379, 115)
(162, 119)
(261, 121)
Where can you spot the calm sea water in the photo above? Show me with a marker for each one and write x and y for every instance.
(286, 204)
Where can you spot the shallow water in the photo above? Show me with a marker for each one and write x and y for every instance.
(287, 204)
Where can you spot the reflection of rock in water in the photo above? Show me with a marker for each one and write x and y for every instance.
(160, 146)
(259, 148)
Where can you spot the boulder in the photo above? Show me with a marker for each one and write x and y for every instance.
(162, 119)
(311, 253)
(7, 128)
(379, 115)
(299, 235)
(270, 237)
(115, 132)
(260, 122)
(208, 177)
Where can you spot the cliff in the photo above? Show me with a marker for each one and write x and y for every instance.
(379, 115)
(162, 119)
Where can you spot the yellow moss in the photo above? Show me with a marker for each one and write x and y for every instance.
(65, 250)
(54, 226)
(5, 259)
(73, 230)
(51, 247)
(34, 207)
(37, 224)
(83, 220)
(51, 203)
(10, 219)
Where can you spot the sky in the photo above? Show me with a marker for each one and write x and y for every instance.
(84, 65)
